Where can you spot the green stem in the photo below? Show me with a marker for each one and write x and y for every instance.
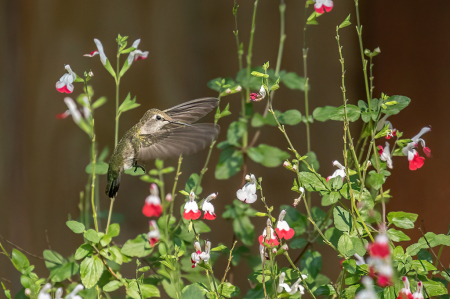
(282, 37)
(177, 175)
(110, 213)
(236, 34)
(250, 47)
(116, 139)
(364, 61)
(205, 167)
(214, 283)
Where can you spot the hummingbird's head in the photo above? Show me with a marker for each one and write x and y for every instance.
(156, 119)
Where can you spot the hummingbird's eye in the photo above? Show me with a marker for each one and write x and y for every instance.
(158, 117)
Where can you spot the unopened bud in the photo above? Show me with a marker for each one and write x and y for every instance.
(274, 250)
(192, 196)
(286, 164)
(239, 88)
(91, 74)
(228, 90)
(285, 247)
(27, 292)
(247, 177)
(169, 197)
(294, 168)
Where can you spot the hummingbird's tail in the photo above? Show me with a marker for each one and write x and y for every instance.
(112, 187)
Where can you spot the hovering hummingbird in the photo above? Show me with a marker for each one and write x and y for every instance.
(162, 134)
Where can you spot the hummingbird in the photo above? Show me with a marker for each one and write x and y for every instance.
(162, 134)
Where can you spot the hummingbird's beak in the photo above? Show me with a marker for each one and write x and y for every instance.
(178, 123)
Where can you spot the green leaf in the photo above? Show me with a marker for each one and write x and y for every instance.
(19, 260)
(349, 265)
(159, 164)
(326, 290)
(435, 288)
(298, 243)
(235, 132)
(249, 83)
(402, 219)
(64, 272)
(112, 286)
(422, 266)
(433, 239)
(402, 102)
(90, 271)
(397, 236)
(336, 113)
(311, 262)
(290, 117)
(138, 247)
(293, 81)
(53, 259)
(113, 230)
(330, 198)
(312, 182)
(346, 22)
(342, 219)
(100, 102)
(112, 253)
(191, 183)
(7, 292)
(227, 290)
(100, 168)
(192, 291)
(345, 245)
(244, 230)
(92, 235)
(219, 248)
(230, 163)
(75, 226)
(216, 83)
(267, 155)
(128, 104)
(376, 180)
(83, 251)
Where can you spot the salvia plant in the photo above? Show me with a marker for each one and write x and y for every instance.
(175, 255)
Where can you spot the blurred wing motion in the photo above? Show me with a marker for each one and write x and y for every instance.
(192, 111)
(180, 140)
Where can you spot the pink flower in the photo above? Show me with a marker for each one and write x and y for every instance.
(100, 52)
(283, 230)
(418, 294)
(136, 54)
(256, 97)
(405, 293)
(64, 85)
(385, 154)
(322, 5)
(152, 206)
(153, 236)
(208, 208)
(273, 241)
(191, 211)
(380, 248)
(340, 172)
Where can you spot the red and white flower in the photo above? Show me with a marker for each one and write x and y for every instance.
(283, 230)
(74, 111)
(256, 97)
(273, 241)
(382, 123)
(418, 294)
(99, 51)
(153, 235)
(405, 293)
(248, 193)
(198, 255)
(136, 54)
(385, 154)
(416, 139)
(323, 5)
(43, 294)
(73, 294)
(208, 208)
(152, 206)
(385, 274)
(64, 85)
(380, 248)
(339, 172)
(191, 211)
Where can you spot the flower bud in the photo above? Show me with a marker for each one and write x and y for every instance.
(247, 177)
(169, 197)
(192, 196)
(27, 292)
(285, 247)
(274, 250)
(239, 88)
(228, 90)
(294, 168)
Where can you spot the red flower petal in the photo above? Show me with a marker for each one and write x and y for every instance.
(151, 210)
(261, 239)
(328, 8)
(380, 151)
(64, 89)
(209, 216)
(62, 115)
(319, 9)
(195, 216)
(416, 162)
(379, 250)
(153, 241)
(289, 234)
(404, 295)
(427, 151)
(384, 281)
(139, 58)
(280, 233)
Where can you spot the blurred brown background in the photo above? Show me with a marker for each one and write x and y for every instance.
(190, 42)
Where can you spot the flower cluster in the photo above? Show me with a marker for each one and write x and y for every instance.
(152, 206)
(191, 211)
(293, 288)
(248, 193)
(256, 97)
(43, 294)
(198, 255)
(64, 85)
(153, 235)
(415, 161)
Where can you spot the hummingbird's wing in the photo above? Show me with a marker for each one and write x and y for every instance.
(192, 111)
(173, 142)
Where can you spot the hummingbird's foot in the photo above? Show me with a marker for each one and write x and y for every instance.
(139, 166)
